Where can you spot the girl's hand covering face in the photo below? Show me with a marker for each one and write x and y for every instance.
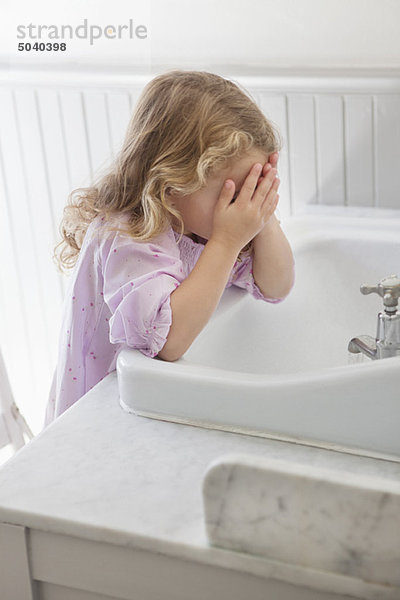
(242, 220)
(271, 164)
(261, 187)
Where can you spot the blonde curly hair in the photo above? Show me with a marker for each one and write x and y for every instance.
(186, 126)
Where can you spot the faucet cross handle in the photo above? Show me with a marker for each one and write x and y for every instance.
(388, 288)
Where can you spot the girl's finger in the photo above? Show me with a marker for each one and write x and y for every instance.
(267, 167)
(271, 207)
(276, 183)
(250, 183)
(271, 199)
(273, 159)
(265, 186)
(226, 193)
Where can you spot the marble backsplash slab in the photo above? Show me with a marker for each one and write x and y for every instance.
(335, 521)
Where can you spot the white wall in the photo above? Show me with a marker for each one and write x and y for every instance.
(204, 34)
(277, 33)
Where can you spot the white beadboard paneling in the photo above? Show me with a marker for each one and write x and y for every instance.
(274, 108)
(301, 142)
(55, 152)
(119, 114)
(359, 151)
(98, 129)
(133, 98)
(41, 215)
(24, 258)
(76, 139)
(387, 150)
(13, 318)
(329, 149)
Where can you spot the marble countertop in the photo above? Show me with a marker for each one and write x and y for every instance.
(102, 474)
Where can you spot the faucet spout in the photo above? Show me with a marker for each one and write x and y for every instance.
(365, 344)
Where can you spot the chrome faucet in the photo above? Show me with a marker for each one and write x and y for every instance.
(387, 342)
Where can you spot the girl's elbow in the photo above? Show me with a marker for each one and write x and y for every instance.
(288, 284)
(168, 354)
(168, 358)
(287, 289)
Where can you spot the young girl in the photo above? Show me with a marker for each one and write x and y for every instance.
(186, 210)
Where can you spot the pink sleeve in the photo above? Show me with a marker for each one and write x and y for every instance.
(138, 280)
(242, 276)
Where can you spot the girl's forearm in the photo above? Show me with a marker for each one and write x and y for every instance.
(273, 264)
(196, 298)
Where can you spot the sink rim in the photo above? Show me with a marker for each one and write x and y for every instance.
(134, 359)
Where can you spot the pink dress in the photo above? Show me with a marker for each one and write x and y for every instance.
(118, 296)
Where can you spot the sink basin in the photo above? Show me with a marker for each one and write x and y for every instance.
(283, 371)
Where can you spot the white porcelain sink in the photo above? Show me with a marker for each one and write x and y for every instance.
(283, 371)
